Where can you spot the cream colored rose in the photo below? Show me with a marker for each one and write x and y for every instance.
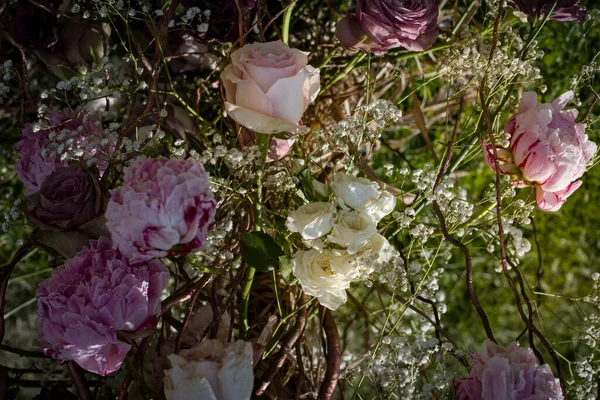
(311, 220)
(213, 370)
(382, 206)
(362, 195)
(377, 250)
(325, 275)
(352, 230)
(268, 86)
(354, 192)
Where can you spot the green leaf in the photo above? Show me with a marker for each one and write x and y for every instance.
(285, 267)
(261, 251)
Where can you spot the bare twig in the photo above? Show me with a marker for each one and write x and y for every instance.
(79, 381)
(333, 357)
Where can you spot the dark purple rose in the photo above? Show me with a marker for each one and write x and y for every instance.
(223, 22)
(33, 27)
(388, 24)
(565, 10)
(68, 198)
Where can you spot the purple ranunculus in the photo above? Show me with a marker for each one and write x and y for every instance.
(565, 10)
(165, 206)
(500, 373)
(69, 134)
(68, 197)
(96, 294)
(388, 24)
(547, 149)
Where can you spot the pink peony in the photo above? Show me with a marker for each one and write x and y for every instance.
(165, 206)
(74, 133)
(268, 86)
(548, 149)
(97, 293)
(500, 373)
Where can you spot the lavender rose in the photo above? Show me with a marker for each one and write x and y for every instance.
(69, 197)
(164, 207)
(500, 373)
(388, 24)
(96, 294)
(564, 11)
(547, 149)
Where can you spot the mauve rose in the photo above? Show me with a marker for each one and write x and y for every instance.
(548, 149)
(68, 198)
(34, 27)
(388, 24)
(268, 86)
(77, 134)
(96, 294)
(500, 373)
(165, 206)
(565, 10)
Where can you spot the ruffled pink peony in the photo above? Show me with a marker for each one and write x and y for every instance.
(500, 373)
(164, 207)
(548, 149)
(74, 133)
(380, 25)
(97, 293)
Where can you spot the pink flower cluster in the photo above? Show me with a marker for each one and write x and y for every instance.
(548, 150)
(165, 206)
(74, 129)
(97, 293)
(500, 373)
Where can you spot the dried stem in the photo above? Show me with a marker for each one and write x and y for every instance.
(79, 381)
(333, 357)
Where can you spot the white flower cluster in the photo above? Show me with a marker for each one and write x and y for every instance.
(344, 241)
(7, 74)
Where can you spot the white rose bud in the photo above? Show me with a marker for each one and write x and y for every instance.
(381, 207)
(353, 192)
(311, 220)
(325, 275)
(352, 230)
(213, 370)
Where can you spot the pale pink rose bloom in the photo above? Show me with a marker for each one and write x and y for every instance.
(510, 373)
(97, 293)
(268, 86)
(40, 155)
(548, 149)
(165, 206)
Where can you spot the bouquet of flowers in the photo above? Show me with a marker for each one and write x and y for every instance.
(243, 199)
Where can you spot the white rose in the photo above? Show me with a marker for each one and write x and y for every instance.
(353, 192)
(311, 220)
(352, 230)
(325, 275)
(376, 251)
(380, 207)
(213, 370)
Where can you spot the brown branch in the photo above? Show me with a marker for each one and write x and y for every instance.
(287, 344)
(79, 381)
(333, 357)
(469, 275)
(194, 296)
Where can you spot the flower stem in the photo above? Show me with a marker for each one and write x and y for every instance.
(285, 29)
(262, 141)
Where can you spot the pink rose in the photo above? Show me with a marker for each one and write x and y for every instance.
(97, 293)
(165, 206)
(268, 86)
(548, 149)
(388, 24)
(500, 373)
(70, 135)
